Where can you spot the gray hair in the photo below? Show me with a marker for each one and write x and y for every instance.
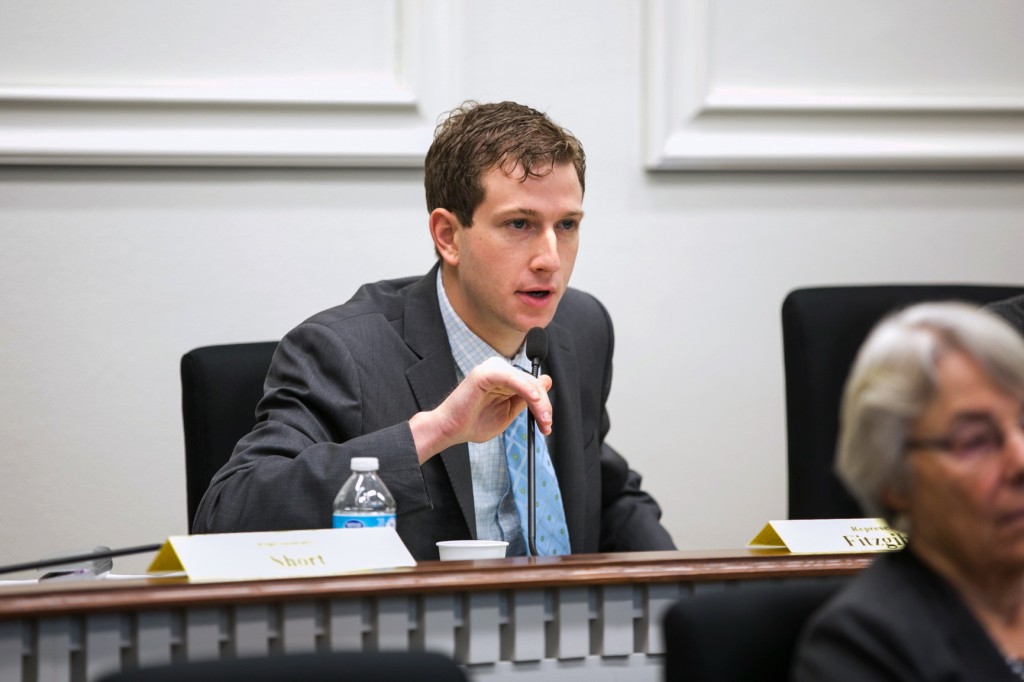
(893, 381)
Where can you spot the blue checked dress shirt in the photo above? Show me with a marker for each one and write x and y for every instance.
(497, 517)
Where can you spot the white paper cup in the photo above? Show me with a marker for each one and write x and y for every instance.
(459, 550)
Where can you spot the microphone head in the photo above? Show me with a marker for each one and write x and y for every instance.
(537, 344)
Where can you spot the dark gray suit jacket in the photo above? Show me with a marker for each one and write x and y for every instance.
(898, 620)
(344, 384)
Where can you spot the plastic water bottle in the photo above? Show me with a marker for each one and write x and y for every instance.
(364, 501)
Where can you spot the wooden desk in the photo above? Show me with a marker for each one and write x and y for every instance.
(578, 617)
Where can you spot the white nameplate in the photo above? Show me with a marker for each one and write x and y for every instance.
(828, 536)
(282, 554)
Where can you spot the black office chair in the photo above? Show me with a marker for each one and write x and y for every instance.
(320, 667)
(822, 330)
(1011, 310)
(220, 387)
(749, 633)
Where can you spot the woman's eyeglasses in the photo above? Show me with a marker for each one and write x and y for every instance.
(973, 436)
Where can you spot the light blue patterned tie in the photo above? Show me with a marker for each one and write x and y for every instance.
(552, 534)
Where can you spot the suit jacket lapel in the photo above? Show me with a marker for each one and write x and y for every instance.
(433, 378)
(567, 431)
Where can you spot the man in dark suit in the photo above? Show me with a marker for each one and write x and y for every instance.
(419, 372)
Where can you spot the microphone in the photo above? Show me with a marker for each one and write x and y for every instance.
(537, 352)
(100, 553)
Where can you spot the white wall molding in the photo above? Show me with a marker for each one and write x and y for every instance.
(696, 123)
(340, 116)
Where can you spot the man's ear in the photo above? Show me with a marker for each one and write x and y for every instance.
(444, 227)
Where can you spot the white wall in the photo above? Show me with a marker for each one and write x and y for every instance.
(108, 273)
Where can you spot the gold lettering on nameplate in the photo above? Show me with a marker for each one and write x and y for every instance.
(871, 529)
(281, 544)
(298, 562)
(891, 540)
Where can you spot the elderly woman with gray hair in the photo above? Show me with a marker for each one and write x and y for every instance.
(932, 440)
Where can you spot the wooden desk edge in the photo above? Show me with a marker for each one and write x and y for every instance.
(74, 598)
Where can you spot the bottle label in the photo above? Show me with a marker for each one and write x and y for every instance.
(364, 520)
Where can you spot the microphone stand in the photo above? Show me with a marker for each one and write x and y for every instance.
(531, 476)
(536, 351)
(75, 558)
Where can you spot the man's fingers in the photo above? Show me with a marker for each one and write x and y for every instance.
(540, 405)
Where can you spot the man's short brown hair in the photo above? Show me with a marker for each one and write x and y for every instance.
(474, 138)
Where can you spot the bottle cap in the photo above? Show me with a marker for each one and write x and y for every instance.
(365, 464)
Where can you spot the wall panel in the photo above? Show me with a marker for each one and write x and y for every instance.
(224, 83)
(834, 85)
